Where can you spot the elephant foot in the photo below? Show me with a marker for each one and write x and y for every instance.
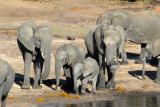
(156, 81)
(37, 87)
(25, 86)
(83, 93)
(41, 82)
(124, 63)
(76, 92)
(110, 86)
(138, 61)
(93, 93)
(101, 88)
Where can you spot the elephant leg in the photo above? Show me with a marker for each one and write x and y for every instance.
(27, 69)
(157, 80)
(37, 69)
(83, 88)
(4, 98)
(69, 78)
(101, 76)
(1, 93)
(94, 81)
(111, 75)
(139, 60)
(76, 84)
(124, 57)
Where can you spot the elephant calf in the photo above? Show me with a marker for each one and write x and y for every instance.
(86, 70)
(65, 57)
(152, 50)
(7, 76)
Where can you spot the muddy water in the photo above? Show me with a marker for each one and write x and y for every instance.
(125, 101)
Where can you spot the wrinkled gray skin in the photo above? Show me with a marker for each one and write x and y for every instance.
(152, 50)
(140, 27)
(105, 43)
(86, 70)
(7, 76)
(34, 42)
(65, 57)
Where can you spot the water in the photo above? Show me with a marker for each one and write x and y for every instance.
(126, 101)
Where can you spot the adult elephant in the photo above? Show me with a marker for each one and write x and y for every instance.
(66, 56)
(140, 27)
(7, 76)
(34, 42)
(105, 43)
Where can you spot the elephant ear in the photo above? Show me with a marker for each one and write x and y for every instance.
(99, 36)
(25, 36)
(72, 54)
(155, 48)
(122, 35)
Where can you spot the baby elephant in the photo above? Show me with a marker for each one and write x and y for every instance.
(152, 50)
(7, 76)
(86, 70)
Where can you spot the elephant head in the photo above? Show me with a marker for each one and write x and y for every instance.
(152, 50)
(110, 42)
(33, 36)
(65, 55)
(78, 69)
(117, 17)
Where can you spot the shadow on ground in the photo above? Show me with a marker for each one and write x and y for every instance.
(149, 74)
(132, 55)
(19, 79)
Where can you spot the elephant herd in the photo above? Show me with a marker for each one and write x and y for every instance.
(105, 43)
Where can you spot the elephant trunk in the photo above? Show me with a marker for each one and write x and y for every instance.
(110, 57)
(144, 67)
(46, 54)
(58, 67)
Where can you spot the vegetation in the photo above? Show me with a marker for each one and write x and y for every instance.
(70, 31)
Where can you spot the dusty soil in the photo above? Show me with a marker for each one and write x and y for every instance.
(68, 13)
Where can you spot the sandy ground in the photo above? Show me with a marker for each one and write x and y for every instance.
(69, 14)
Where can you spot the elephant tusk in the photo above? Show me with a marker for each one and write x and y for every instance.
(105, 59)
(115, 58)
(42, 55)
(52, 55)
(143, 59)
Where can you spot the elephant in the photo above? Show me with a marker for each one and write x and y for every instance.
(65, 57)
(86, 70)
(34, 42)
(7, 76)
(140, 27)
(105, 43)
(152, 50)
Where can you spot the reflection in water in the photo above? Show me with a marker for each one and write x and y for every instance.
(127, 101)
